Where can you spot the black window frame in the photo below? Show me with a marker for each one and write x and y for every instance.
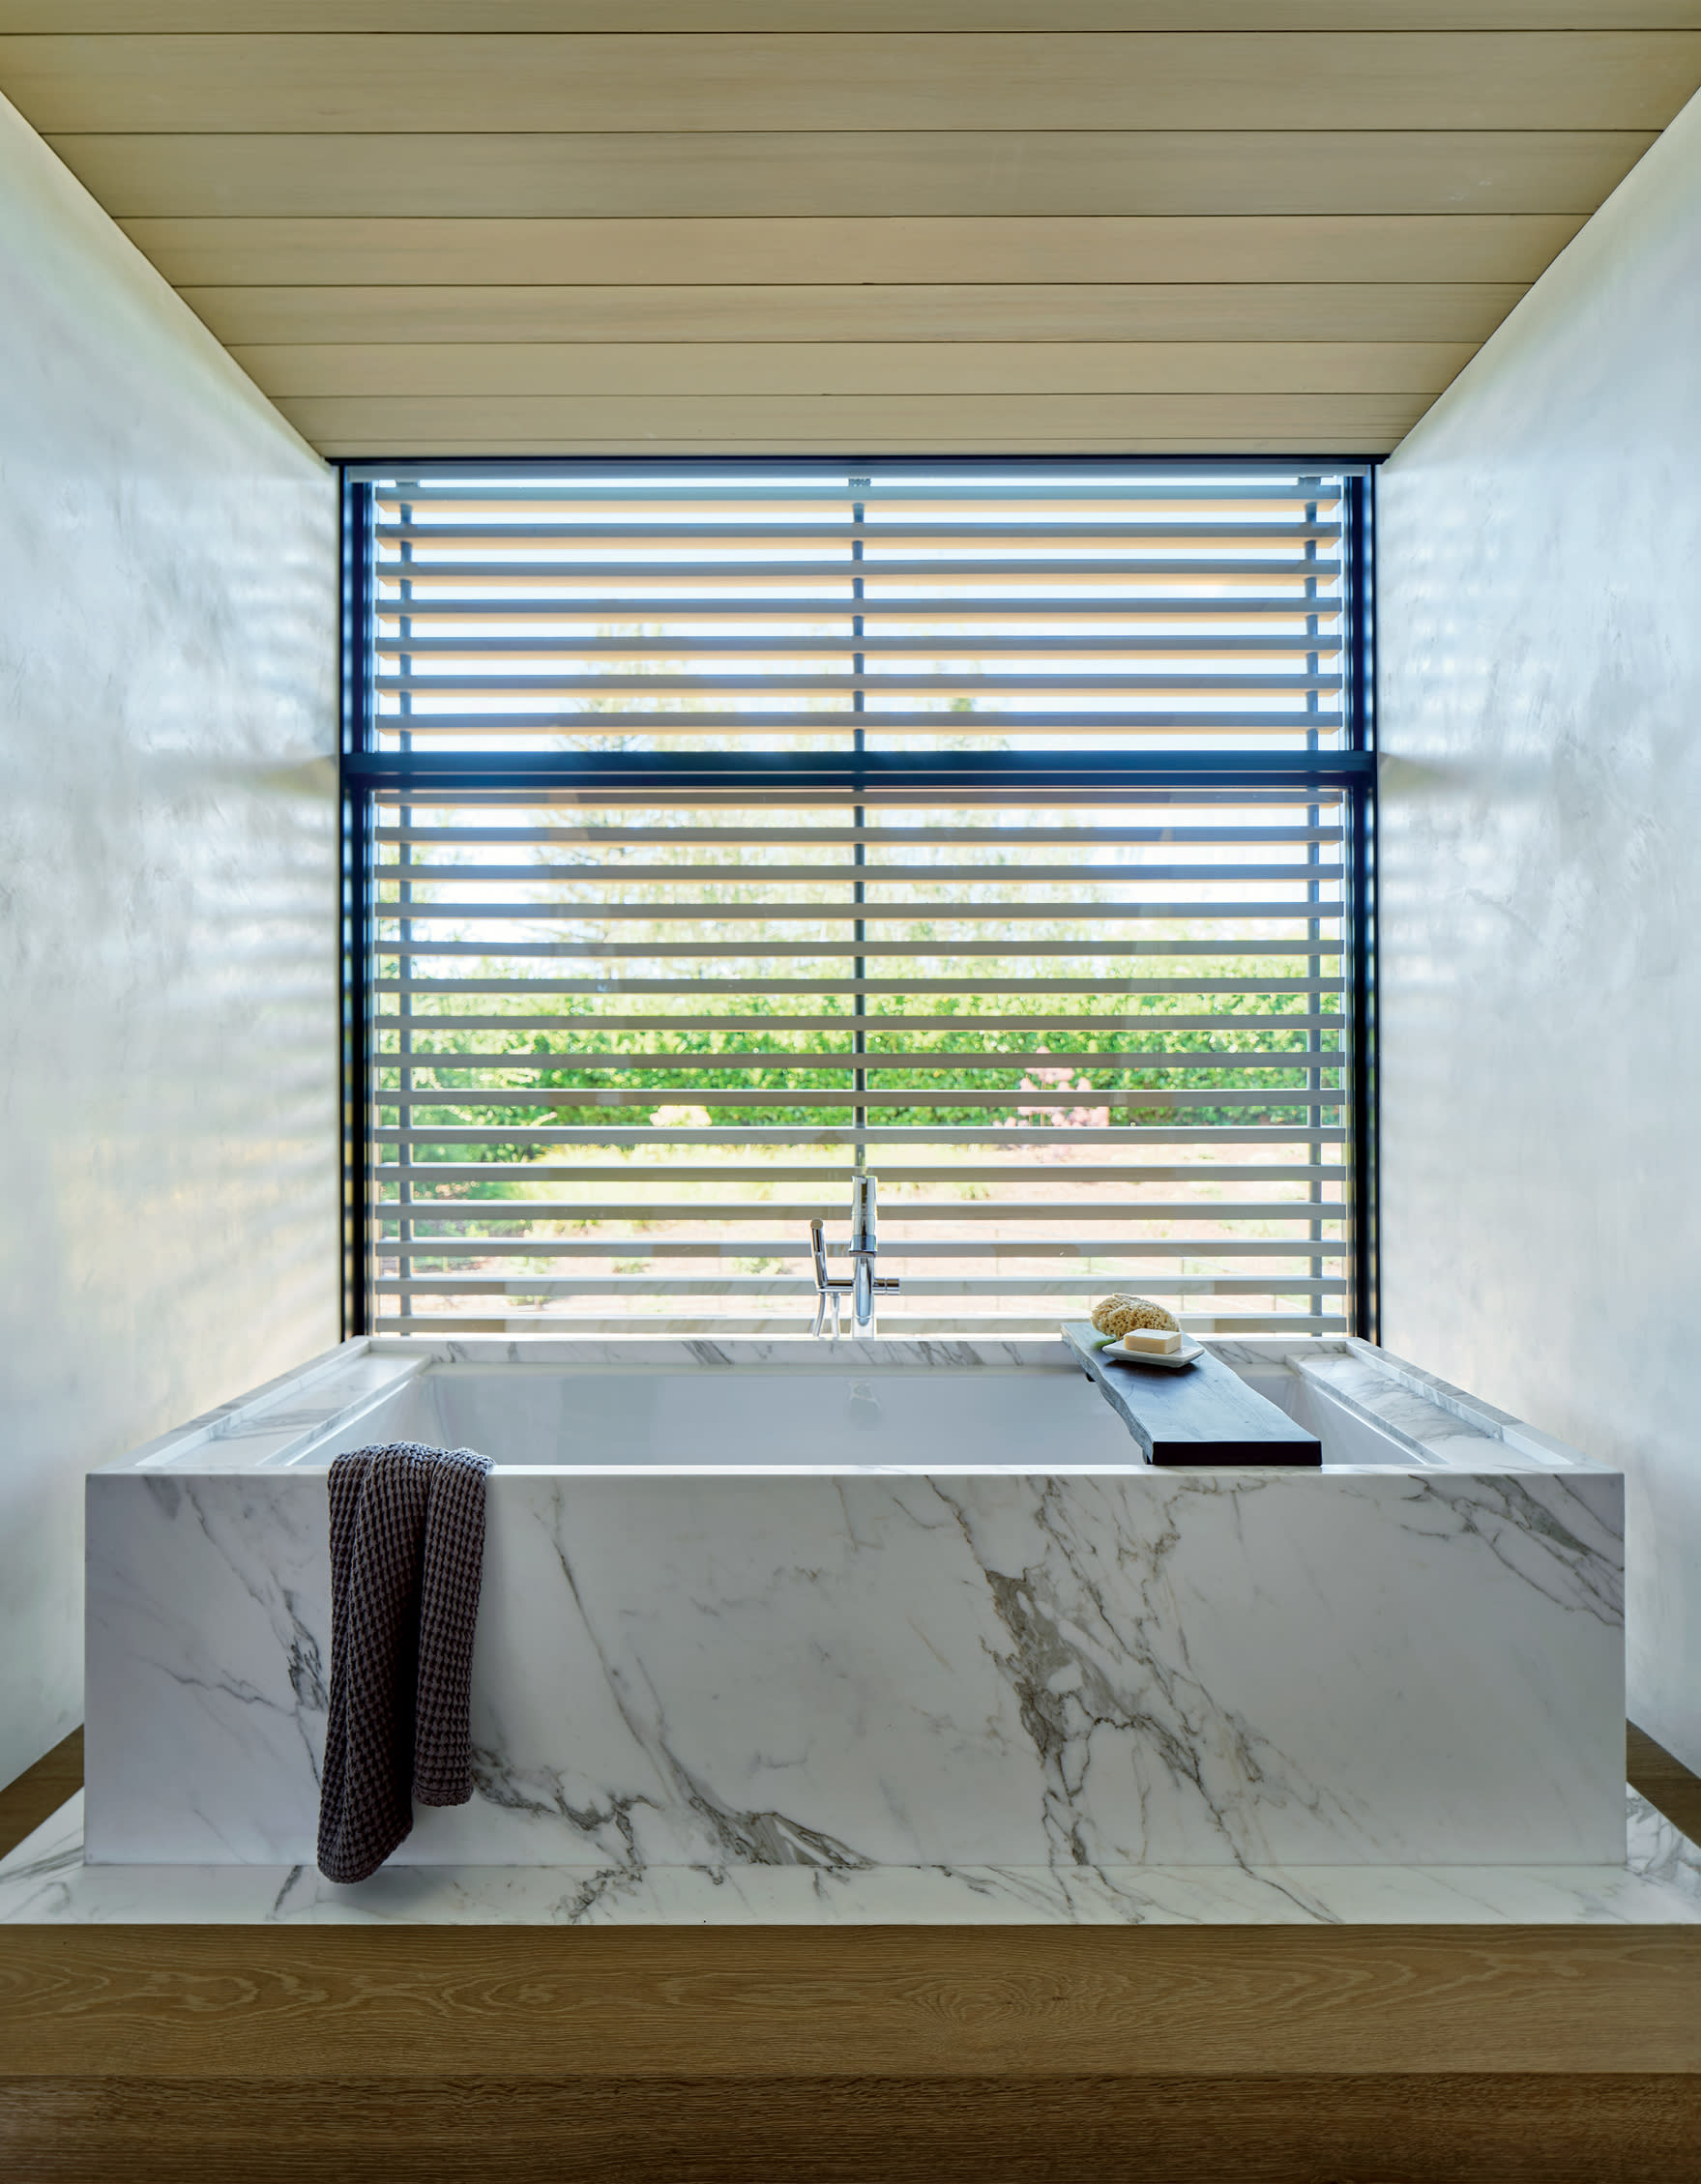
(364, 768)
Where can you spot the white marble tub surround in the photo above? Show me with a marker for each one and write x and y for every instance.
(46, 1882)
(277, 1422)
(922, 1659)
(1431, 1421)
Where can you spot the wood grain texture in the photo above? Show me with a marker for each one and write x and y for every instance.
(897, 79)
(864, 419)
(40, 1790)
(1510, 247)
(674, 369)
(1205, 1415)
(1155, 2056)
(866, 174)
(1452, 311)
(1189, 2129)
(525, 2003)
(528, 448)
(872, 423)
(1665, 1781)
(423, 174)
(829, 17)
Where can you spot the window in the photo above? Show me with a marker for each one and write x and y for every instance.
(1000, 828)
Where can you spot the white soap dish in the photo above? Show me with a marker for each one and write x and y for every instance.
(1169, 1361)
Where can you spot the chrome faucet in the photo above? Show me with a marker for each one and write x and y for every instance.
(864, 1284)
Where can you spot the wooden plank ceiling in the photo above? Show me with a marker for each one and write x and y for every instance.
(743, 226)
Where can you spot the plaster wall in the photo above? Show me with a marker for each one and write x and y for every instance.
(1540, 611)
(167, 893)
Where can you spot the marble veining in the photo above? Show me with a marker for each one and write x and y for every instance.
(281, 1423)
(825, 1661)
(1175, 1667)
(796, 1353)
(1433, 1421)
(46, 1882)
(1431, 1436)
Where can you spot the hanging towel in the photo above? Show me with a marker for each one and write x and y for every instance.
(407, 1551)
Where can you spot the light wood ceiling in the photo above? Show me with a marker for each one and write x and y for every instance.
(779, 226)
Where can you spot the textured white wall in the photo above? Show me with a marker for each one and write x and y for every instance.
(1540, 623)
(167, 893)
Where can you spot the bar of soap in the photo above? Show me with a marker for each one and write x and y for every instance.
(1151, 1342)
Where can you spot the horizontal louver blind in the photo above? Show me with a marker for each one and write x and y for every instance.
(1113, 612)
(624, 1050)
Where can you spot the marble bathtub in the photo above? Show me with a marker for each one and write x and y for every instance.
(885, 1606)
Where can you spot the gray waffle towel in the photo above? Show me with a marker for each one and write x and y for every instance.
(407, 1551)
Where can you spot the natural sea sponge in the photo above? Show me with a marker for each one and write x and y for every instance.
(1116, 1315)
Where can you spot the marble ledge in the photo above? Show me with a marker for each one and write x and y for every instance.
(273, 1424)
(45, 1882)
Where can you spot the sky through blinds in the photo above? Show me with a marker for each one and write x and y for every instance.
(625, 1042)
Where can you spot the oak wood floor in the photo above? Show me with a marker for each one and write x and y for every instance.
(1362, 2055)
(1666, 1782)
(38, 1793)
(1186, 2130)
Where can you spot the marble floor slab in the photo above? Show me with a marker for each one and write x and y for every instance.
(44, 1883)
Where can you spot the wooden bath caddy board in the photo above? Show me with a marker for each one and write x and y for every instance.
(1205, 1415)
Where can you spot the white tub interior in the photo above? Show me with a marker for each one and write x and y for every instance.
(606, 1408)
(862, 1419)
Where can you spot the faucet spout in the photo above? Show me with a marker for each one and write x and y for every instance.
(864, 1190)
(864, 1283)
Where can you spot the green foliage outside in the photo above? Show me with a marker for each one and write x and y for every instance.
(483, 1094)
